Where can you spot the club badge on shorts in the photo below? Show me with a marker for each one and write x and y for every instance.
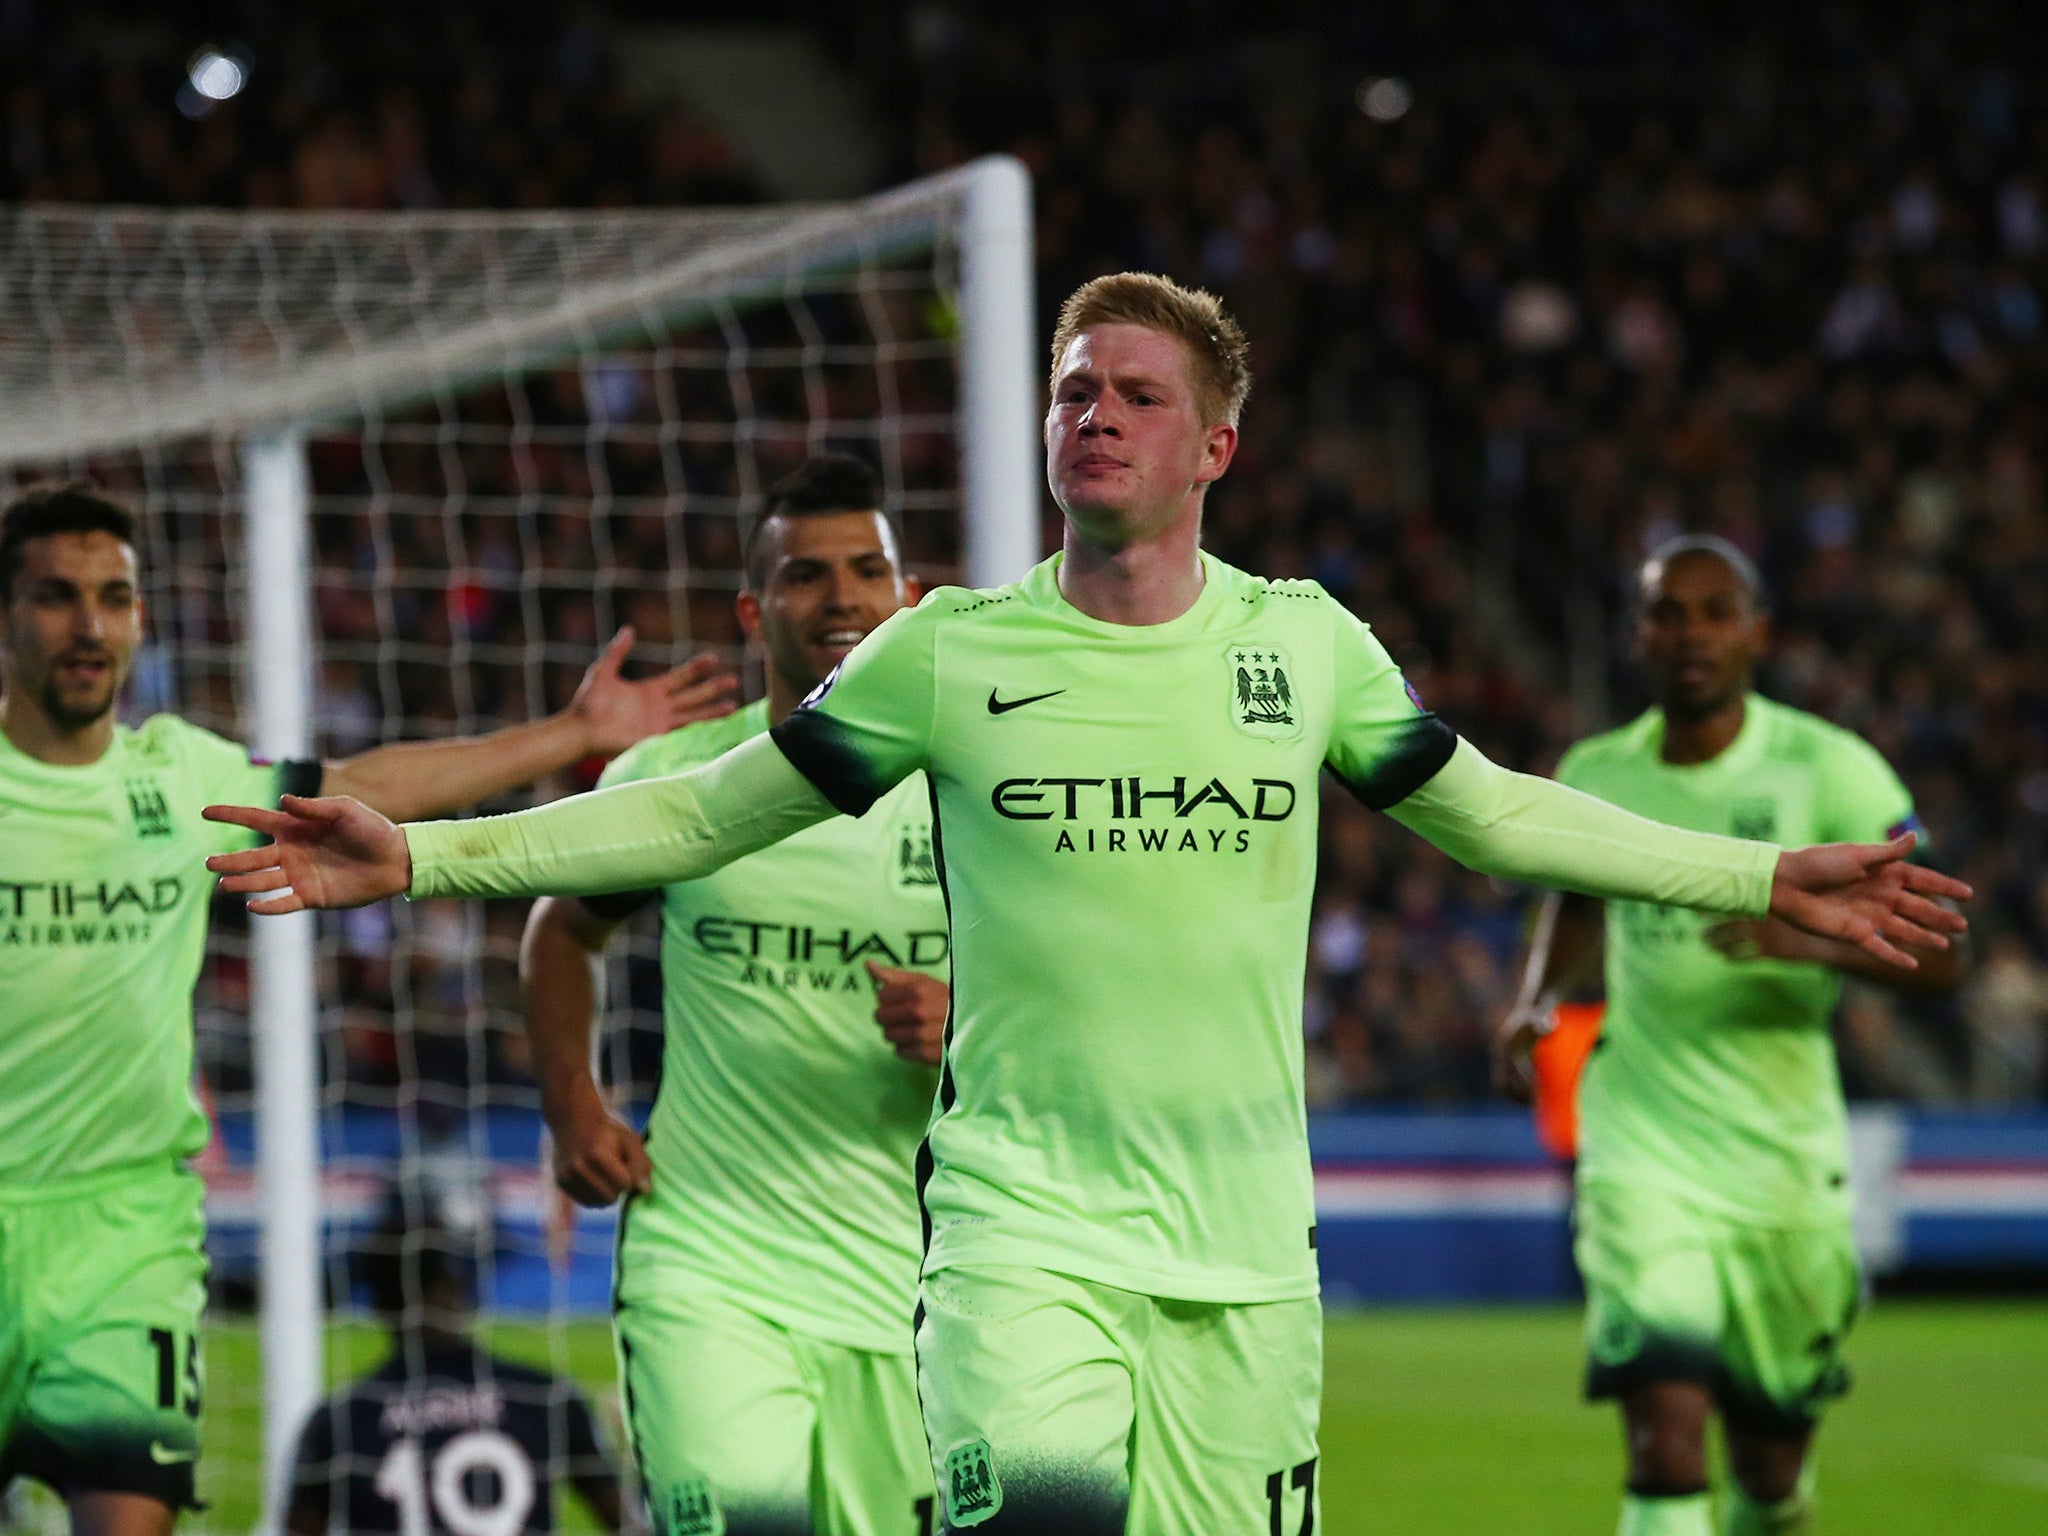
(687, 1509)
(972, 1492)
(1617, 1335)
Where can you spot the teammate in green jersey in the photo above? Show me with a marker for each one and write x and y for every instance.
(1120, 1329)
(1713, 1201)
(767, 1258)
(102, 932)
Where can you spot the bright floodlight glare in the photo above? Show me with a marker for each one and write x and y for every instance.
(1385, 99)
(216, 76)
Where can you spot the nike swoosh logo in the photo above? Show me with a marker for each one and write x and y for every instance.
(168, 1458)
(998, 706)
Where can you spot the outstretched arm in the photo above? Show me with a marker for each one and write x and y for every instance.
(1868, 897)
(1524, 828)
(412, 779)
(1769, 938)
(338, 853)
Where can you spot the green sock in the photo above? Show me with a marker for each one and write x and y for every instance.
(1682, 1514)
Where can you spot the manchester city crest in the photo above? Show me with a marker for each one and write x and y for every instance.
(1754, 819)
(913, 864)
(147, 805)
(972, 1491)
(1263, 701)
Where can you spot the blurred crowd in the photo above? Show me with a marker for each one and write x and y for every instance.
(1530, 289)
(365, 104)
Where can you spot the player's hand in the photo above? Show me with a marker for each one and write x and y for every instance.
(911, 1008)
(614, 712)
(1866, 894)
(1514, 1054)
(598, 1157)
(328, 852)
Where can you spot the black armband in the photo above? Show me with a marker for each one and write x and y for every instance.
(616, 906)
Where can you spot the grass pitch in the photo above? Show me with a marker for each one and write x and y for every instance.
(1455, 1422)
(1466, 1422)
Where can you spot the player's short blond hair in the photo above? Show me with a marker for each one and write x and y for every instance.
(1218, 355)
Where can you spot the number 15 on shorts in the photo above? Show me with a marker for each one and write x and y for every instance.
(176, 1390)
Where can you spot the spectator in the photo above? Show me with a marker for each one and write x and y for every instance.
(1590, 277)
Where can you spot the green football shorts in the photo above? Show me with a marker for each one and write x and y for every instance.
(1059, 1407)
(101, 1286)
(744, 1428)
(1758, 1314)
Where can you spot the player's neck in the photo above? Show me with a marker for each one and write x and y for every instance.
(783, 696)
(35, 735)
(1148, 582)
(1689, 740)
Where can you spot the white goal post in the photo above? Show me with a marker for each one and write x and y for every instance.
(123, 330)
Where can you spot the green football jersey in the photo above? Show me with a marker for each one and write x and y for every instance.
(1126, 823)
(786, 1127)
(1716, 1077)
(102, 931)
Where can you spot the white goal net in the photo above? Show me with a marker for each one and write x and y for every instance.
(401, 476)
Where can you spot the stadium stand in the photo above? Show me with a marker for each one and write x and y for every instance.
(1536, 302)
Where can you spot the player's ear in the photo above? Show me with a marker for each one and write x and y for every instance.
(747, 607)
(1219, 447)
(913, 590)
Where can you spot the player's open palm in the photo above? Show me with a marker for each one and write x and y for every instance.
(617, 711)
(598, 1157)
(1866, 894)
(328, 852)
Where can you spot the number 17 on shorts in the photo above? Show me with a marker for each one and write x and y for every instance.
(1060, 1407)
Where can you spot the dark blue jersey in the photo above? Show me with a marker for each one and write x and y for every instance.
(444, 1439)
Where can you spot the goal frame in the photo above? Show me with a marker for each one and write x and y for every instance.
(1001, 480)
